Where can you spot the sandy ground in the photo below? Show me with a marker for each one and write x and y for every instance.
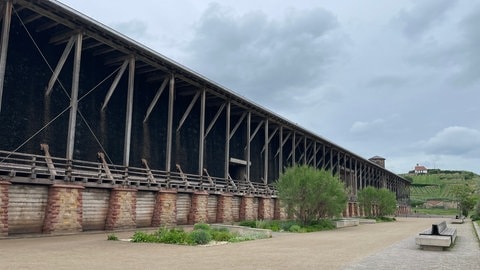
(320, 250)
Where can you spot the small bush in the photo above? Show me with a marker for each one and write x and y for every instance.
(112, 237)
(200, 237)
(295, 228)
(174, 236)
(140, 237)
(201, 226)
(249, 223)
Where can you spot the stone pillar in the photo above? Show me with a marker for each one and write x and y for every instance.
(165, 210)
(64, 211)
(198, 209)
(4, 207)
(266, 208)
(122, 207)
(351, 207)
(279, 212)
(345, 211)
(224, 208)
(246, 208)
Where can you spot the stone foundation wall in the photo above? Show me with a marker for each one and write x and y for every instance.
(4, 207)
(64, 209)
(280, 212)
(122, 209)
(247, 211)
(198, 210)
(266, 208)
(224, 208)
(165, 211)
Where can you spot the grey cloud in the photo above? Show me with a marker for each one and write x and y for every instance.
(135, 29)
(267, 59)
(424, 16)
(387, 81)
(363, 126)
(468, 73)
(454, 140)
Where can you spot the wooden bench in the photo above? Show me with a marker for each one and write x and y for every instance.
(437, 238)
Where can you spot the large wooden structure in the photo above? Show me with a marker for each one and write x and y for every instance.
(109, 111)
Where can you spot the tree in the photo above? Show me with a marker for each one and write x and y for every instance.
(367, 197)
(384, 199)
(310, 194)
(387, 202)
(466, 198)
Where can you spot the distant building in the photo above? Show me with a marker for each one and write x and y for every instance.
(420, 169)
(380, 161)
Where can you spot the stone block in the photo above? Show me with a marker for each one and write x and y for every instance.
(165, 210)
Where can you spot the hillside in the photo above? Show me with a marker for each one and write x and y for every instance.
(437, 186)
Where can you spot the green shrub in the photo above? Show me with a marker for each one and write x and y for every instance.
(200, 237)
(174, 236)
(144, 237)
(248, 223)
(295, 228)
(112, 237)
(285, 226)
(201, 226)
(220, 235)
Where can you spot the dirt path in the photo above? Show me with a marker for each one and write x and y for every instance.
(321, 250)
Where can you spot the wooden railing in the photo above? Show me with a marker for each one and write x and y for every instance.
(23, 167)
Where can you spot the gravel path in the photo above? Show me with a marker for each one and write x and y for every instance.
(372, 246)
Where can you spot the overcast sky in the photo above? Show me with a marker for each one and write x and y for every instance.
(398, 79)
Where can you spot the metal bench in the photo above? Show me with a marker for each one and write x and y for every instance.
(437, 238)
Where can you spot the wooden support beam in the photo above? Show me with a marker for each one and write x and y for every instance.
(155, 99)
(265, 155)
(188, 110)
(7, 17)
(74, 96)
(257, 128)
(115, 83)
(282, 142)
(215, 118)
(59, 66)
(280, 151)
(227, 140)
(237, 125)
(201, 139)
(270, 136)
(171, 100)
(249, 125)
(129, 112)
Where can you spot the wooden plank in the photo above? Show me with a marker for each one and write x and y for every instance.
(26, 208)
(144, 208)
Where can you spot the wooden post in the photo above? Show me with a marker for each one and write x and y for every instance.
(171, 98)
(7, 17)
(74, 97)
(128, 118)
(227, 139)
(201, 140)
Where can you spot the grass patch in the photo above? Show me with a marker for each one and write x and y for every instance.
(202, 234)
(290, 225)
(112, 237)
(436, 211)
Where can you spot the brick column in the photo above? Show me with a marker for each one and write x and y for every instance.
(198, 210)
(345, 210)
(265, 208)
(63, 213)
(122, 209)
(246, 208)
(4, 207)
(224, 208)
(351, 209)
(165, 210)
(279, 212)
